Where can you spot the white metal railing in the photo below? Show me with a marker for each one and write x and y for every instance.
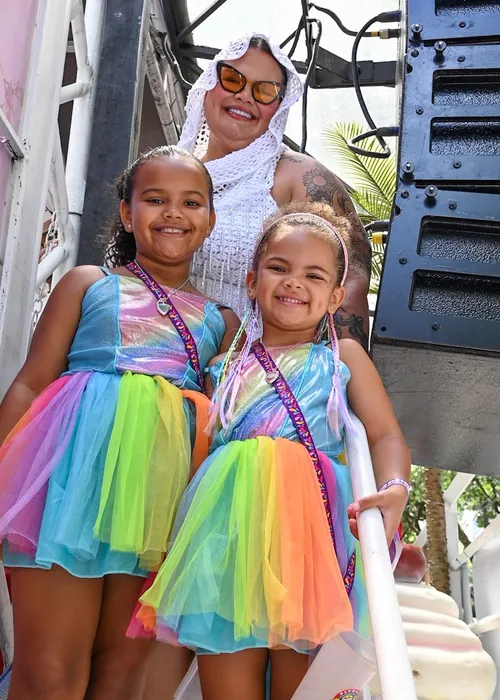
(6, 623)
(459, 561)
(68, 182)
(394, 669)
(42, 182)
(10, 138)
(41, 179)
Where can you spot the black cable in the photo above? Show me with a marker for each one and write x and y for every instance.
(296, 37)
(310, 70)
(308, 31)
(394, 16)
(174, 65)
(336, 19)
(291, 36)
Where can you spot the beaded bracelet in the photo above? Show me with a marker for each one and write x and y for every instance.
(395, 482)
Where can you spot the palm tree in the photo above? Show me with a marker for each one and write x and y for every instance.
(373, 184)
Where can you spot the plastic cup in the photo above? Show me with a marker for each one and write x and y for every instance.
(340, 671)
(190, 688)
(342, 667)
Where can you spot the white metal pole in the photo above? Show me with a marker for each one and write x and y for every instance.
(467, 603)
(81, 126)
(450, 497)
(6, 623)
(30, 176)
(394, 669)
(486, 536)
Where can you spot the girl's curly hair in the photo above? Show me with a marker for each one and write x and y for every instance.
(120, 243)
(301, 212)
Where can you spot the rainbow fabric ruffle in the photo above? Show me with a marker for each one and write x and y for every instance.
(92, 475)
(252, 563)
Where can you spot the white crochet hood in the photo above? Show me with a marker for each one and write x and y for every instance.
(254, 165)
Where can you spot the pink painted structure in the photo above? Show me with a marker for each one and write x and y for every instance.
(17, 22)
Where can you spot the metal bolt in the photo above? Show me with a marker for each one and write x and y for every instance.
(408, 169)
(461, 59)
(457, 164)
(405, 194)
(403, 261)
(462, 24)
(440, 47)
(435, 326)
(452, 206)
(415, 53)
(416, 29)
(420, 110)
(431, 191)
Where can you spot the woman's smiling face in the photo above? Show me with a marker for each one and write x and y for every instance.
(235, 120)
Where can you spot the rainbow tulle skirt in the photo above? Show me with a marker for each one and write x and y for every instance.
(91, 477)
(253, 563)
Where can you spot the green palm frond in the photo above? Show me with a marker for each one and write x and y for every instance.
(377, 260)
(372, 206)
(373, 181)
(376, 175)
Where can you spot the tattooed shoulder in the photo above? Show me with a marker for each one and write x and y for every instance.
(321, 185)
(292, 157)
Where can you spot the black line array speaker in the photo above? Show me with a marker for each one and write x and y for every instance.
(436, 335)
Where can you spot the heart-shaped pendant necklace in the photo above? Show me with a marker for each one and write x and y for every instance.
(272, 376)
(163, 305)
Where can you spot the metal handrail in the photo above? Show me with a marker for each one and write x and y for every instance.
(394, 668)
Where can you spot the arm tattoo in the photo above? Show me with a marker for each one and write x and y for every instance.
(321, 185)
(354, 324)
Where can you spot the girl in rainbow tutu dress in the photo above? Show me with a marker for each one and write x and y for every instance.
(264, 564)
(100, 430)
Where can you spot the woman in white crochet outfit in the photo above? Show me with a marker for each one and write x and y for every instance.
(236, 116)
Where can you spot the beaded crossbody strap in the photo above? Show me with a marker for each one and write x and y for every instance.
(167, 308)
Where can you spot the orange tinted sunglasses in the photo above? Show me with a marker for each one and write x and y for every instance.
(263, 91)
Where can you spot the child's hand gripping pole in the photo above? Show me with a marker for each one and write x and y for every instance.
(394, 667)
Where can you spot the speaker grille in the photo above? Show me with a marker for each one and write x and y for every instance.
(478, 137)
(466, 87)
(466, 7)
(460, 239)
(456, 295)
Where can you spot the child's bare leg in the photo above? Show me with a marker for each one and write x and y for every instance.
(288, 668)
(239, 676)
(163, 671)
(116, 660)
(55, 621)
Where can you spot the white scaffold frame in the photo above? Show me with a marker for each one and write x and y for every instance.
(39, 175)
(38, 171)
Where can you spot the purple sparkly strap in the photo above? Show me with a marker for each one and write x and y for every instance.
(173, 315)
(274, 377)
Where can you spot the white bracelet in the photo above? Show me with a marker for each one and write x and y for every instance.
(396, 482)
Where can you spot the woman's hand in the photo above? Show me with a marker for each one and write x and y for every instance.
(391, 503)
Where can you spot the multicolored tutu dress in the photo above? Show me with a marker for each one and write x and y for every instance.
(262, 554)
(91, 476)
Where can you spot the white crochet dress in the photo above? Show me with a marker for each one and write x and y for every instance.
(242, 184)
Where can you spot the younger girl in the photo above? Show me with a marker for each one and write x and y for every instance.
(104, 411)
(263, 565)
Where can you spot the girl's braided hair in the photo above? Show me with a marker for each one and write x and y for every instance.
(120, 243)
